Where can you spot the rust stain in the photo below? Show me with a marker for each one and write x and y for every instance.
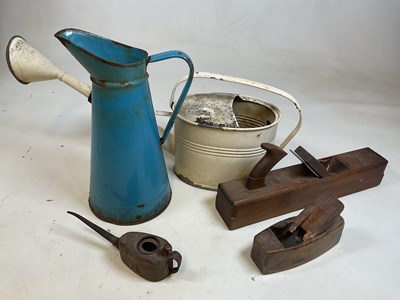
(102, 82)
(190, 182)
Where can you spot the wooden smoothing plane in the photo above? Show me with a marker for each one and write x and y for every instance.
(295, 241)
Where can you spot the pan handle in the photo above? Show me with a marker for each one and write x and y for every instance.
(268, 88)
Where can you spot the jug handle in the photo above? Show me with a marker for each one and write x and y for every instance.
(189, 78)
(258, 85)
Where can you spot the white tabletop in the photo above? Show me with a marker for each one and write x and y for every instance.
(44, 172)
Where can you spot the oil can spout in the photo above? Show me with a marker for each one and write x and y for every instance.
(104, 233)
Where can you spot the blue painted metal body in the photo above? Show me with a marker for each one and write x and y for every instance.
(128, 178)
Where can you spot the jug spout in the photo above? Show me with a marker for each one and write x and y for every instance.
(105, 59)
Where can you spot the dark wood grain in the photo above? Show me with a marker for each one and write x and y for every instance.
(293, 188)
(296, 241)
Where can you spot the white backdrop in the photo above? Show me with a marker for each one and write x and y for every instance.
(363, 35)
(340, 59)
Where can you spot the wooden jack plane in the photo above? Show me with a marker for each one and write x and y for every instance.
(265, 194)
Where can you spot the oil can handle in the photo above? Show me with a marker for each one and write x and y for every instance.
(175, 256)
(167, 55)
(247, 82)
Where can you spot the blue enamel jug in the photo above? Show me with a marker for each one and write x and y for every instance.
(128, 177)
